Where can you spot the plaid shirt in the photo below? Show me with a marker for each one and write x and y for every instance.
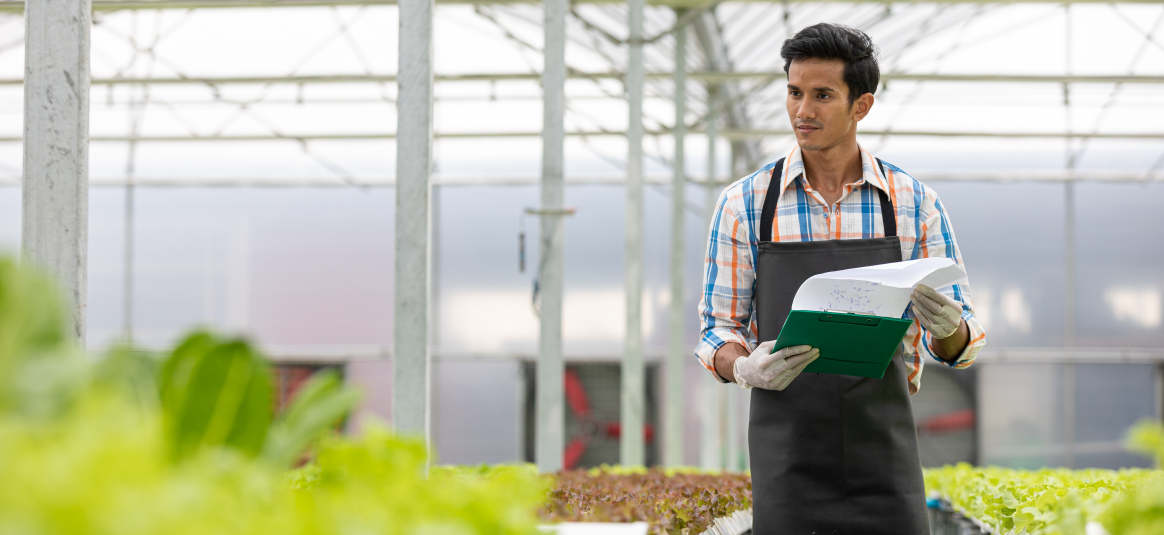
(924, 228)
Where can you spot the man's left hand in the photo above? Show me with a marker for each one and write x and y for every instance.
(936, 312)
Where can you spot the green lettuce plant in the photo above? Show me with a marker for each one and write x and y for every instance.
(1061, 501)
(1140, 511)
(185, 442)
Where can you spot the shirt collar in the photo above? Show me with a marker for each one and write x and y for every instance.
(870, 171)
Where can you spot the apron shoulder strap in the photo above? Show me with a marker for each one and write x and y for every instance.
(888, 218)
(769, 210)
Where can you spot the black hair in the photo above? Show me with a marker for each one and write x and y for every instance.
(834, 41)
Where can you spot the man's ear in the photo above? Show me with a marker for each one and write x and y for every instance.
(862, 105)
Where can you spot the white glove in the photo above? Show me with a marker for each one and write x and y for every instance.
(773, 371)
(939, 314)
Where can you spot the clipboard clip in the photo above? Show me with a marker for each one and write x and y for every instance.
(850, 318)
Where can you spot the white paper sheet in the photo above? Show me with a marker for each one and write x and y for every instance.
(878, 290)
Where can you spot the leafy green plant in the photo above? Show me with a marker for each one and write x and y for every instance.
(1060, 501)
(131, 371)
(32, 318)
(104, 468)
(215, 393)
(38, 373)
(320, 404)
(1141, 510)
(379, 480)
(1048, 501)
(671, 501)
(187, 445)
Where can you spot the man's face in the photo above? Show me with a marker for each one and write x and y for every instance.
(818, 104)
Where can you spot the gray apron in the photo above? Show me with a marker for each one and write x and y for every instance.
(830, 454)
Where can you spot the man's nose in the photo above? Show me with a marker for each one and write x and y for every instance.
(805, 110)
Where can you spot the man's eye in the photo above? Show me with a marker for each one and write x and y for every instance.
(823, 96)
(794, 93)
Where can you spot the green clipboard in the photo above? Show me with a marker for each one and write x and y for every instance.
(850, 344)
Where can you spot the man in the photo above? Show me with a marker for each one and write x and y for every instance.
(829, 453)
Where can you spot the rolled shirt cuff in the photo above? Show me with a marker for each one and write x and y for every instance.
(973, 346)
(711, 341)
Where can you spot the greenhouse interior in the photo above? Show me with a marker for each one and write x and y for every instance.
(417, 266)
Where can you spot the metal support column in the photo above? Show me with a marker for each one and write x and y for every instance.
(732, 450)
(434, 285)
(1069, 187)
(673, 407)
(1069, 373)
(1159, 391)
(733, 161)
(710, 443)
(633, 382)
(550, 426)
(137, 110)
(55, 230)
(711, 401)
(709, 36)
(712, 141)
(1070, 384)
(127, 291)
(410, 359)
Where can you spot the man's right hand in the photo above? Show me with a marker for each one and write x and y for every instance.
(773, 371)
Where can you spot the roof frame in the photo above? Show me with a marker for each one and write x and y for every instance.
(124, 5)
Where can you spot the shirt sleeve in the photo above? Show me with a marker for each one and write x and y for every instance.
(937, 240)
(725, 306)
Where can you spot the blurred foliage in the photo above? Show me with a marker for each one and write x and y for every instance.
(39, 374)
(1062, 501)
(215, 393)
(1141, 511)
(185, 442)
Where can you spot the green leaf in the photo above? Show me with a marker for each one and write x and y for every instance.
(318, 406)
(215, 394)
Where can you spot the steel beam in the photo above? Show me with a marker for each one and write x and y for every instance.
(701, 76)
(762, 132)
(711, 410)
(727, 419)
(55, 229)
(1158, 390)
(550, 407)
(1076, 355)
(125, 5)
(1018, 175)
(330, 353)
(411, 370)
(674, 407)
(714, 48)
(711, 444)
(729, 134)
(712, 133)
(732, 443)
(130, 222)
(633, 378)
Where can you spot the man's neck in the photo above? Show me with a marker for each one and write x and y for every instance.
(830, 169)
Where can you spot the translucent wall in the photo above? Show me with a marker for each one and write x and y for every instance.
(308, 270)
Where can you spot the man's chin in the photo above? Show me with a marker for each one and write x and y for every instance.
(805, 144)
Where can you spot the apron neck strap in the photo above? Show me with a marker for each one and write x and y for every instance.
(888, 219)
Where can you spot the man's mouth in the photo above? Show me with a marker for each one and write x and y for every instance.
(806, 129)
